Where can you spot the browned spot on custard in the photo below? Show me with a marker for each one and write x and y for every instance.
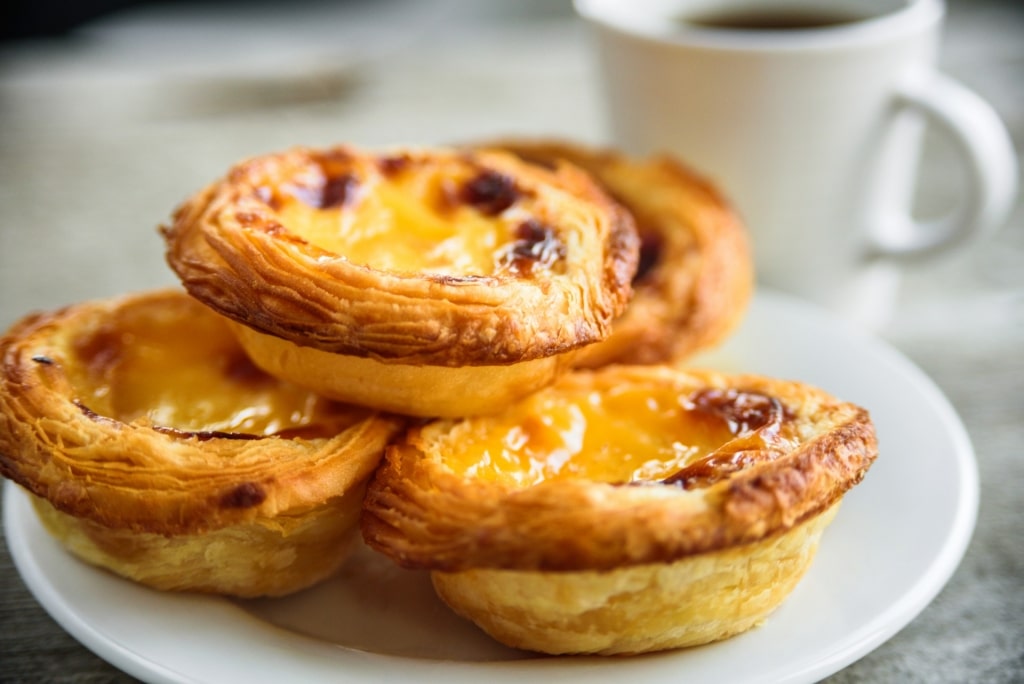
(536, 244)
(710, 469)
(393, 165)
(489, 192)
(338, 190)
(756, 420)
(245, 495)
(335, 191)
(743, 411)
(101, 351)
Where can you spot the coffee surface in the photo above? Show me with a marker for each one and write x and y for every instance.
(766, 19)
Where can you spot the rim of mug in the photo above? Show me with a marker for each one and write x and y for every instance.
(623, 18)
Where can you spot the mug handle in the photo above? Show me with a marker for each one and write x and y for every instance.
(988, 157)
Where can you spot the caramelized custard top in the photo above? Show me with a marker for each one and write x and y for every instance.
(622, 435)
(413, 215)
(186, 373)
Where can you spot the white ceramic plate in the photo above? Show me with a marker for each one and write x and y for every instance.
(897, 539)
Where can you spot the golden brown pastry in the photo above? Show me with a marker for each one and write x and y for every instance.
(623, 510)
(153, 447)
(426, 282)
(695, 275)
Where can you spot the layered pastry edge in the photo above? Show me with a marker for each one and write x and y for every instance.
(695, 274)
(82, 393)
(295, 248)
(425, 514)
(235, 250)
(573, 564)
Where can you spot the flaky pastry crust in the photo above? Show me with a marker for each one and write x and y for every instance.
(411, 258)
(696, 273)
(754, 494)
(153, 447)
(639, 608)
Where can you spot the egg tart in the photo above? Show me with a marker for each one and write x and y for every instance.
(622, 510)
(430, 282)
(153, 447)
(695, 275)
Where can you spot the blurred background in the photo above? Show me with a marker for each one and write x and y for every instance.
(106, 125)
(111, 113)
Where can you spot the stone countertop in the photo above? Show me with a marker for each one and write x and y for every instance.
(104, 132)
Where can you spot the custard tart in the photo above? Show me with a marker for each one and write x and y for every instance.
(695, 275)
(622, 510)
(429, 282)
(153, 447)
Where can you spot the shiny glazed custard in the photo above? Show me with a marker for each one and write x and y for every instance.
(453, 219)
(622, 435)
(190, 375)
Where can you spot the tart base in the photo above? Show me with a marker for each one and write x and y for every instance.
(265, 557)
(414, 390)
(636, 609)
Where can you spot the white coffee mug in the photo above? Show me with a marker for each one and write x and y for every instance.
(813, 130)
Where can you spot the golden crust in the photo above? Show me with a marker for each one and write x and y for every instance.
(140, 418)
(424, 514)
(568, 556)
(640, 608)
(233, 251)
(695, 276)
(400, 388)
(265, 557)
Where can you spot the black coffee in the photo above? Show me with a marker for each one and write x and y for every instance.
(778, 19)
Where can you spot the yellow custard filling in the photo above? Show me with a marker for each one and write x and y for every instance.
(414, 221)
(186, 372)
(614, 435)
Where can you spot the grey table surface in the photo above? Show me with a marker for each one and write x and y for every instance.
(103, 132)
